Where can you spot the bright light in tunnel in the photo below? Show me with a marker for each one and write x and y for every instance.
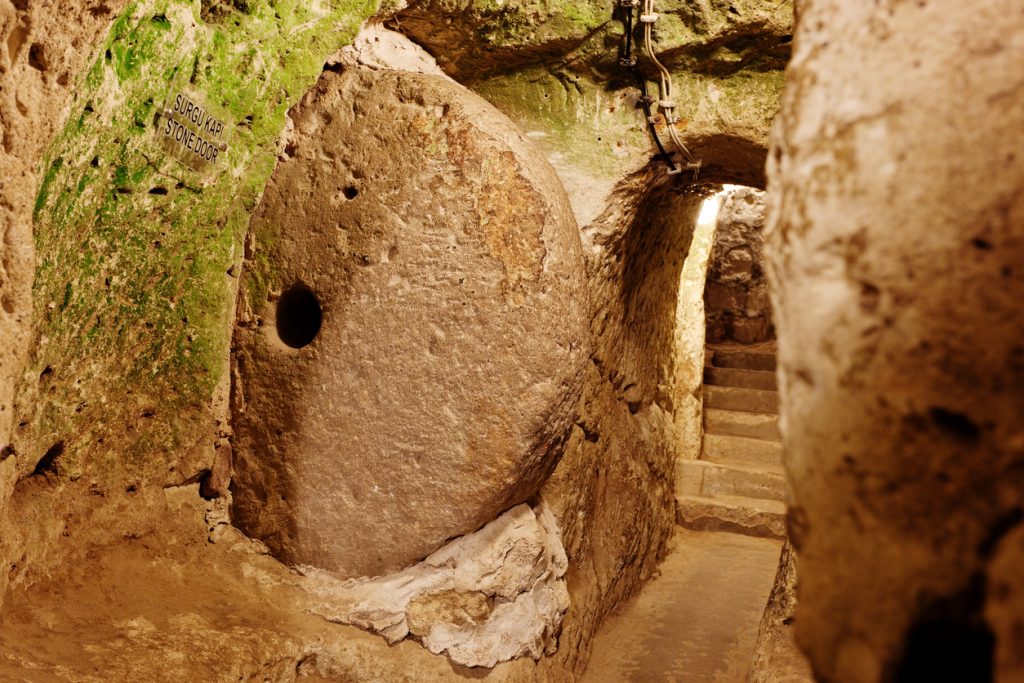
(709, 209)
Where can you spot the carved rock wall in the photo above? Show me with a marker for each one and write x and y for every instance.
(776, 656)
(736, 298)
(553, 68)
(618, 471)
(41, 56)
(896, 240)
(123, 380)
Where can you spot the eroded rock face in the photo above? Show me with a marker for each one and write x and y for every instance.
(776, 657)
(43, 56)
(737, 307)
(488, 597)
(897, 211)
(689, 342)
(1004, 606)
(407, 368)
(613, 489)
(553, 68)
(121, 355)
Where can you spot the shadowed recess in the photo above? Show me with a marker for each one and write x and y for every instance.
(299, 316)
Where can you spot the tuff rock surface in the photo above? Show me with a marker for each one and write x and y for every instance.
(776, 656)
(164, 601)
(442, 385)
(40, 56)
(124, 381)
(123, 397)
(553, 68)
(1004, 604)
(690, 337)
(737, 307)
(617, 471)
(488, 597)
(896, 223)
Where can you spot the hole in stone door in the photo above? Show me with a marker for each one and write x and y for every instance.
(299, 316)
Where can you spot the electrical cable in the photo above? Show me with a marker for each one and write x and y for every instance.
(667, 105)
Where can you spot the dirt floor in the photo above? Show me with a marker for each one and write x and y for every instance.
(695, 623)
(174, 605)
(171, 605)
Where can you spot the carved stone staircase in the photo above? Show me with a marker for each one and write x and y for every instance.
(737, 484)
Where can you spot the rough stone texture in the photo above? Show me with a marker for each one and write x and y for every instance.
(553, 68)
(737, 290)
(776, 657)
(94, 517)
(134, 285)
(378, 47)
(613, 489)
(40, 55)
(492, 596)
(167, 601)
(449, 363)
(690, 335)
(1004, 605)
(896, 226)
(492, 38)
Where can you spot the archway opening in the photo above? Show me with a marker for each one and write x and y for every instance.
(729, 473)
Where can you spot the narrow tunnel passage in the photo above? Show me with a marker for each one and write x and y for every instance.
(494, 412)
(699, 619)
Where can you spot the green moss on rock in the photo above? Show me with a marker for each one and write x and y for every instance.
(597, 126)
(132, 291)
(575, 119)
(554, 68)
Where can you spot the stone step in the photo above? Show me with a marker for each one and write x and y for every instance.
(733, 377)
(735, 398)
(712, 480)
(742, 451)
(749, 516)
(743, 360)
(739, 423)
